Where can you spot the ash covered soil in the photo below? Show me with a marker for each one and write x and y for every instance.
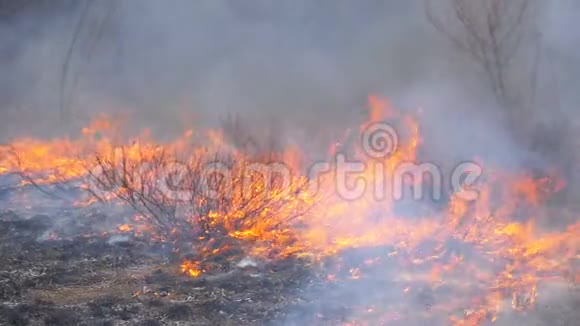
(112, 279)
(73, 267)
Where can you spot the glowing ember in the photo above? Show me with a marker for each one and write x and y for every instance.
(191, 268)
(125, 228)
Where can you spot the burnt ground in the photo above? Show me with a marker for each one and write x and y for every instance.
(72, 267)
(111, 279)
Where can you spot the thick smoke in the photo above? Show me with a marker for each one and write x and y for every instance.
(309, 64)
(305, 65)
(298, 60)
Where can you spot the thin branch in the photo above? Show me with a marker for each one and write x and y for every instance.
(66, 65)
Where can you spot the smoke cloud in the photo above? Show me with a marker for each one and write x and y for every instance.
(308, 64)
(303, 67)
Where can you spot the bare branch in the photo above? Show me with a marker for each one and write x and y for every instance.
(490, 32)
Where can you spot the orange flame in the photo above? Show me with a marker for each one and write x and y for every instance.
(500, 225)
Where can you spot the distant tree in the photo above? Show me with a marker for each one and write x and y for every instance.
(491, 33)
(501, 38)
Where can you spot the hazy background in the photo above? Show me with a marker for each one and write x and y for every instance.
(308, 65)
(299, 68)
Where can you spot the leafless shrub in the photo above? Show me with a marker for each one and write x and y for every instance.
(208, 206)
(262, 143)
(127, 180)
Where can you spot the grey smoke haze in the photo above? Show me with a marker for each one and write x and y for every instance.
(310, 64)
(307, 64)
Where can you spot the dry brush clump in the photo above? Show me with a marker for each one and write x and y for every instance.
(196, 190)
(212, 191)
(201, 193)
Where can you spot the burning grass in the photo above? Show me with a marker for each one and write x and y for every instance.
(463, 262)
